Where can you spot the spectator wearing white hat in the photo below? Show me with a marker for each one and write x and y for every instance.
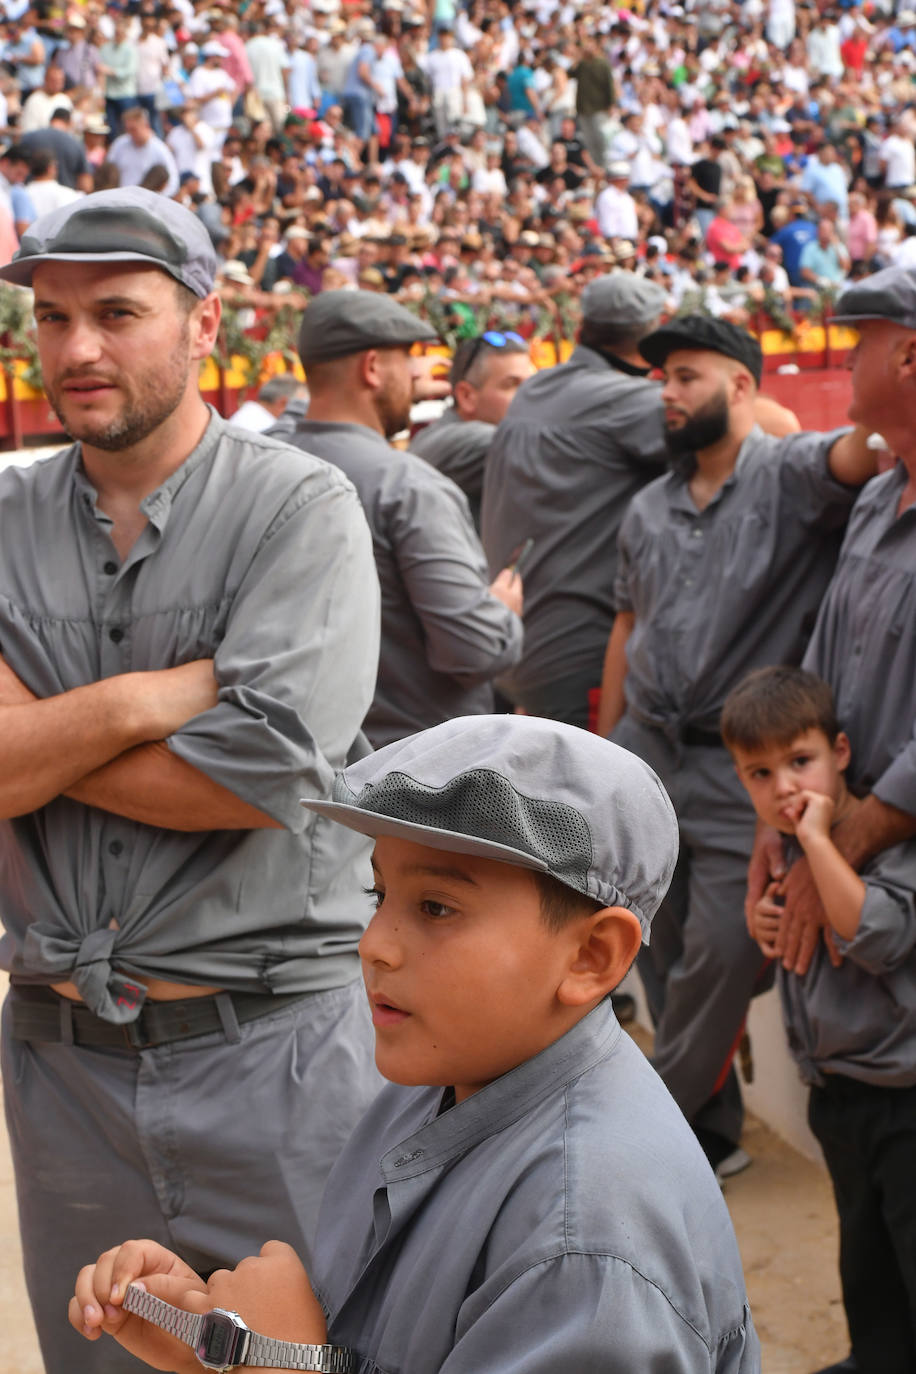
(615, 207)
(118, 65)
(213, 87)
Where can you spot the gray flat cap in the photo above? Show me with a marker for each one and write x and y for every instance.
(886, 295)
(338, 323)
(527, 791)
(126, 225)
(621, 298)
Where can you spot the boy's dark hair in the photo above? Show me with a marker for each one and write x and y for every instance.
(561, 904)
(775, 706)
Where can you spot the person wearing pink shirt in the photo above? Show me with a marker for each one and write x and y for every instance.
(862, 231)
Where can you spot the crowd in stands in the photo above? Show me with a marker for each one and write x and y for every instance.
(484, 162)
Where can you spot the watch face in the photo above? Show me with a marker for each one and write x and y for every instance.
(223, 1338)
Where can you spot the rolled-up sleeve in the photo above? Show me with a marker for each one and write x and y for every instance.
(887, 925)
(296, 667)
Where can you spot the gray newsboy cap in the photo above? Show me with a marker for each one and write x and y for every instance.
(337, 323)
(129, 224)
(886, 295)
(532, 792)
(621, 298)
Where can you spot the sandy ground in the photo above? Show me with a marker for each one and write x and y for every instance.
(783, 1213)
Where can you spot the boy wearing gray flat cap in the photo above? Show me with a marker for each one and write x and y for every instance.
(524, 1195)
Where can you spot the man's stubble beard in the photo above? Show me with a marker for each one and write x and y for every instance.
(140, 416)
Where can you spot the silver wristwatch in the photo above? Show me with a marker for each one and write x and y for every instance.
(222, 1341)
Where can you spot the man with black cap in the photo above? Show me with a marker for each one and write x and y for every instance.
(188, 630)
(446, 633)
(721, 567)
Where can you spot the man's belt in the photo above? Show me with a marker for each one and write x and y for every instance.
(40, 1014)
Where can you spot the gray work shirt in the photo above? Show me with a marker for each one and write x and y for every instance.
(720, 591)
(444, 637)
(859, 1020)
(577, 443)
(458, 448)
(255, 555)
(864, 642)
(561, 1218)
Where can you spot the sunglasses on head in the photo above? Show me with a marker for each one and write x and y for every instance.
(494, 339)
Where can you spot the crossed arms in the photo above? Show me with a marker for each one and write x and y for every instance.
(103, 745)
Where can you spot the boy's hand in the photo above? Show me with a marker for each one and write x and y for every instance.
(812, 814)
(96, 1304)
(272, 1294)
(765, 919)
(766, 863)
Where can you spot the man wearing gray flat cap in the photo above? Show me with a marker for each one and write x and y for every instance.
(576, 444)
(446, 630)
(188, 631)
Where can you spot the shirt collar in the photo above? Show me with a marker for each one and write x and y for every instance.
(503, 1101)
(157, 505)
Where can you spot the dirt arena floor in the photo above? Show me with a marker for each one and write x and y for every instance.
(783, 1214)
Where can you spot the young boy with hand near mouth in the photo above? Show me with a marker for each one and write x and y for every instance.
(524, 1196)
(851, 1019)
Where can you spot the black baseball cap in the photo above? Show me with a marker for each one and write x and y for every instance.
(702, 331)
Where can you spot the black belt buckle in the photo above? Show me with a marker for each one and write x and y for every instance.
(136, 1035)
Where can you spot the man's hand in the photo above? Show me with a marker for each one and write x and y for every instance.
(766, 864)
(430, 377)
(765, 919)
(272, 1294)
(507, 588)
(99, 1292)
(804, 922)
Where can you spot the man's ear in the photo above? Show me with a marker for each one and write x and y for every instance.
(206, 316)
(604, 946)
(369, 369)
(465, 397)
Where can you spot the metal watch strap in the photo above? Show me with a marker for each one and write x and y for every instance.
(185, 1325)
(262, 1352)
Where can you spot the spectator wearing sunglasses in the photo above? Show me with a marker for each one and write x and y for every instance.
(485, 375)
(577, 444)
(447, 632)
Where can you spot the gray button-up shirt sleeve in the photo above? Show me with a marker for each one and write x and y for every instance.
(287, 638)
(859, 1020)
(719, 591)
(444, 636)
(864, 642)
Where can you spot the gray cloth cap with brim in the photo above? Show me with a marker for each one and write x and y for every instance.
(129, 224)
(886, 295)
(527, 791)
(622, 299)
(338, 323)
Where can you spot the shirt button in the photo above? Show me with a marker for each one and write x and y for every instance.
(116, 848)
(110, 568)
(697, 532)
(116, 635)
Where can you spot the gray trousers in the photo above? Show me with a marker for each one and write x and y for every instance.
(701, 966)
(207, 1146)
